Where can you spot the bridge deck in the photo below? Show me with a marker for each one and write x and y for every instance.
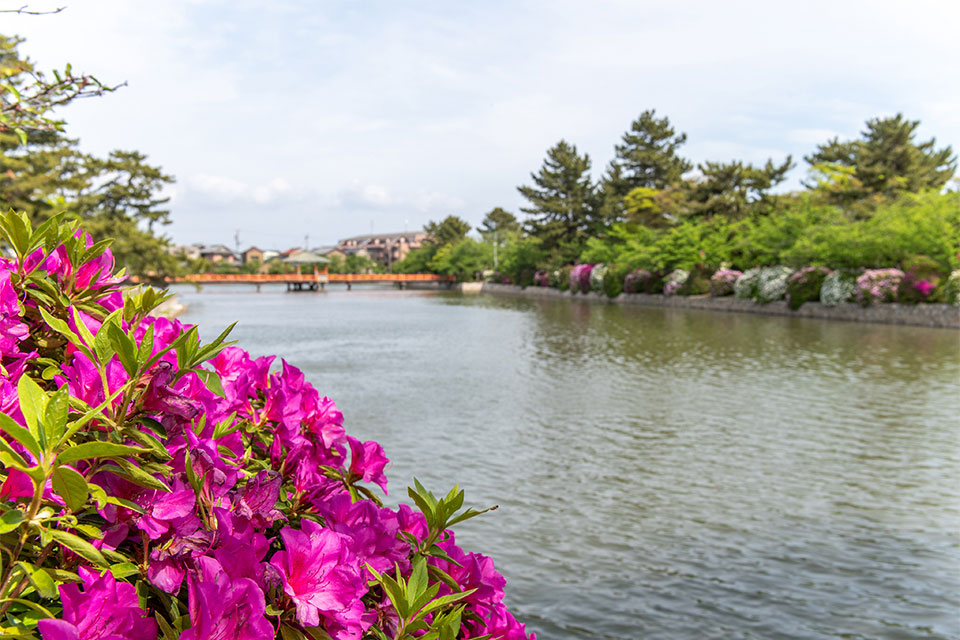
(306, 278)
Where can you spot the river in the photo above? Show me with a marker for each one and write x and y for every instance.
(661, 473)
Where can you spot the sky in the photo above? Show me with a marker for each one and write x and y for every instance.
(285, 122)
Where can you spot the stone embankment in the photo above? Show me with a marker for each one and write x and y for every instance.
(924, 315)
(170, 308)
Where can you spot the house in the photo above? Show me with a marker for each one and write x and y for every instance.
(253, 254)
(218, 253)
(330, 251)
(385, 248)
(187, 251)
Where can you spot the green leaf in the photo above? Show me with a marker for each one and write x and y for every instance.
(79, 546)
(124, 570)
(55, 416)
(40, 580)
(289, 633)
(63, 328)
(21, 435)
(136, 475)
(145, 350)
(82, 327)
(97, 449)
(33, 402)
(10, 520)
(212, 380)
(125, 347)
(70, 486)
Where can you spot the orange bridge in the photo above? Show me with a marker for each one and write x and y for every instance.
(309, 281)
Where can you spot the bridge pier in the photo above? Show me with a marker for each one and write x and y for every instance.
(349, 286)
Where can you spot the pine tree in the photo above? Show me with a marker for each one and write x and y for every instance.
(450, 230)
(498, 221)
(563, 202)
(647, 158)
(731, 189)
(885, 161)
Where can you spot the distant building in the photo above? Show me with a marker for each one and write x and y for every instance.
(385, 248)
(218, 253)
(270, 254)
(188, 251)
(253, 254)
(330, 251)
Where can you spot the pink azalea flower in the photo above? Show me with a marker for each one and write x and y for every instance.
(320, 575)
(225, 608)
(104, 610)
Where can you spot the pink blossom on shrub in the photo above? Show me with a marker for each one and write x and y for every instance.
(722, 282)
(266, 517)
(878, 285)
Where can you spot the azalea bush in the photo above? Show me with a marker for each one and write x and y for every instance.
(772, 283)
(838, 287)
(723, 281)
(675, 280)
(746, 285)
(951, 289)
(155, 487)
(878, 285)
(541, 278)
(580, 278)
(804, 286)
(921, 281)
(596, 278)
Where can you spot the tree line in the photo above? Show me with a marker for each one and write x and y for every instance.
(649, 191)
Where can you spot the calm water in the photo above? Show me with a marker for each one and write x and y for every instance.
(660, 473)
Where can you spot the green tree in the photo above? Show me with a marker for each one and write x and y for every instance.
(450, 230)
(498, 221)
(646, 158)
(563, 202)
(733, 189)
(886, 160)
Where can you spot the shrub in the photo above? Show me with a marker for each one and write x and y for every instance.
(596, 277)
(580, 278)
(613, 282)
(564, 277)
(878, 285)
(697, 283)
(723, 281)
(951, 290)
(674, 281)
(541, 278)
(838, 287)
(153, 483)
(804, 286)
(772, 283)
(921, 281)
(746, 285)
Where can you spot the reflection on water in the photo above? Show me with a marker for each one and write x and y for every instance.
(661, 473)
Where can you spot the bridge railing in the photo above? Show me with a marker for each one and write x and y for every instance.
(256, 278)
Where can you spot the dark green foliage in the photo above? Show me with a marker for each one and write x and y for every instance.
(562, 202)
(450, 230)
(647, 157)
(563, 279)
(698, 282)
(886, 160)
(804, 286)
(733, 189)
(498, 222)
(613, 280)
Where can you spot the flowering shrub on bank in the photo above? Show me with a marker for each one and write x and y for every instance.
(804, 286)
(541, 278)
(580, 278)
(837, 287)
(722, 282)
(952, 288)
(674, 281)
(596, 278)
(156, 487)
(878, 285)
(772, 283)
(746, 285)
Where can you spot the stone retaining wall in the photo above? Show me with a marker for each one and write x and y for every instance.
(924, 315)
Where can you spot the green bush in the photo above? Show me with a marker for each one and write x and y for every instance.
(697, 283)
(563, 279)
(804, 286)
(613, 281)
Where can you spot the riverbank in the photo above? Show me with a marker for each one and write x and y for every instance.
(921, 315)
(170, 308)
